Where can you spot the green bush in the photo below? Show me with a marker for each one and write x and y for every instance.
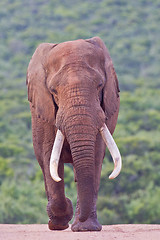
(131, 33)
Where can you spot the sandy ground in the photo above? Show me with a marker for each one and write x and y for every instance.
(112, 232)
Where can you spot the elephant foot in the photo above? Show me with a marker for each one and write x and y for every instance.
(53, 226)
(89, 225)
(59, 221)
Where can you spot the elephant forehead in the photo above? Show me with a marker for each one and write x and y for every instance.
(75, 51)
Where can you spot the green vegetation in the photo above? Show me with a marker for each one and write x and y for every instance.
(131, 32)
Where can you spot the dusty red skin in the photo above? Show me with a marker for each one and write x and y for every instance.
(72, 86)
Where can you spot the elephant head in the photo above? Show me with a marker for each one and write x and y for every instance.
(73, 86)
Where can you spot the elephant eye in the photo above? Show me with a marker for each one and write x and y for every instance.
(53, 90)
(99, 86)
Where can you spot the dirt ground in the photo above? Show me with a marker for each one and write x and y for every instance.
(111, 232)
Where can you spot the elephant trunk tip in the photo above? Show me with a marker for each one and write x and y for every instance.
(85, 209)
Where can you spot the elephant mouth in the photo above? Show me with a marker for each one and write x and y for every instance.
(109, 141)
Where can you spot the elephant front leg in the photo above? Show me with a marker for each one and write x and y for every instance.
(59, 208)
(91, 224)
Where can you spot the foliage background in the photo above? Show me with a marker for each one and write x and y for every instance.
(130, 30)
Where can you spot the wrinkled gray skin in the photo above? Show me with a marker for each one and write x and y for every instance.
(72, 86)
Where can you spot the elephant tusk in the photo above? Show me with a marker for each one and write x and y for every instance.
(113, 149)
(55, 155)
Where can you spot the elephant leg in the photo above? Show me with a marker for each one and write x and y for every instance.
(59, 208)
(92, 224)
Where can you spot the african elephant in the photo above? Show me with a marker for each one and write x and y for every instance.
(74, 100)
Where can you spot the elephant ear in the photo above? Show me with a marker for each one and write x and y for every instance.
(38, 94)
(111, 89)
(110, 102)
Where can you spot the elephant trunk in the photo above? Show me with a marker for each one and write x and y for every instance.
(82, 147)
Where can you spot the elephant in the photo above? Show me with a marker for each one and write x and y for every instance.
(74, 99)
